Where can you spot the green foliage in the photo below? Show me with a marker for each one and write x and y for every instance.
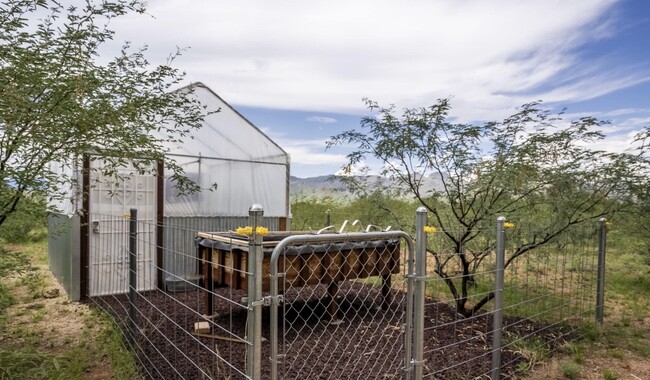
(24, 353)
(311, 214)
(6, 298)
(571, 370)
(111, 343)
(609, 375)
(533, 350)
(59, 100)
(521, 167)
(375, 209)
(35, 283)
(27, 364)
(13, 262)
(26, 224)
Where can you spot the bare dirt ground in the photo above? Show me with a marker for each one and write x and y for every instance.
(366, 343)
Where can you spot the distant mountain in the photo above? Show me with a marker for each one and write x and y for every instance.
(318, 187)
(332, 186)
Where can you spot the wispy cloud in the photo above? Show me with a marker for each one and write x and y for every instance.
(321, 119)
(310, 152)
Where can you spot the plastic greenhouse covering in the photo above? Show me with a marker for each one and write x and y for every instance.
(246, 166)
(63, 201)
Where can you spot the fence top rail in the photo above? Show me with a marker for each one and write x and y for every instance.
(337, 237)
(273, 237)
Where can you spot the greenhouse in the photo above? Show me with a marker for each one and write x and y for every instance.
(234, 163)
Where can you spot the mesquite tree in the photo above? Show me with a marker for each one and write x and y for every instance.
(530, 167)
(59, 99)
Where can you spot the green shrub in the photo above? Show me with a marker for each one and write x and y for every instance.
(571, 370)
(27, 224)
(13, 262)
(6, 298)
(610, 375)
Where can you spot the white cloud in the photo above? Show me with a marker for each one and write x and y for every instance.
(310, 156)
(327, 55)
(310, 152)
(635, 122)
(321, 119)
(616, 143)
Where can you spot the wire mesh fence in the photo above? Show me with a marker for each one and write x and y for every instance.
(548, 293)
(169, 328)
(340, 305)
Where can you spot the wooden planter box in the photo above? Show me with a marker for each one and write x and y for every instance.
(303, 265)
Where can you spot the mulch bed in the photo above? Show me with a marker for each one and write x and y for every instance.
(367, 341)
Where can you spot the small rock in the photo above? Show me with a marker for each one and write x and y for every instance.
(201, 328)
(51, 293)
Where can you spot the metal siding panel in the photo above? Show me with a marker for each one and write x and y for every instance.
(74, 293)
(63, 252)
(179, 252)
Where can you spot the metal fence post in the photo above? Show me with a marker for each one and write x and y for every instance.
(254, 321)
(600, 286)
(497, 320)
(408, 318)
(328, 218)
(273, 334)
(420, 282)
(133, 274)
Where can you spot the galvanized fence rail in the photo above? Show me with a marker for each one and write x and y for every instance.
(347, 305)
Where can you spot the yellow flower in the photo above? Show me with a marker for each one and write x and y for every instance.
(248, 231)
(430, 229)
(608, 224)
(262, 231)
(508, 225)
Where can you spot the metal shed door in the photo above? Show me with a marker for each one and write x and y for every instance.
(108, 254)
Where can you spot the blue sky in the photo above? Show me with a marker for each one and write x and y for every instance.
(299, 69)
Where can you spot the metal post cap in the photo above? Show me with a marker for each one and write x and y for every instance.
(256, 208)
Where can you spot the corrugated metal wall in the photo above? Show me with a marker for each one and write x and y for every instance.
(179, 252)
(64, 253)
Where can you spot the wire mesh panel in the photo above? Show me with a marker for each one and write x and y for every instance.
(342, 306)
(192, 328)
(549, 290)
(548, 293)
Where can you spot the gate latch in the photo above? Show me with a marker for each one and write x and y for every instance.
(268, 301)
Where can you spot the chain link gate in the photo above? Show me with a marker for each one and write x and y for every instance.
(340, 306)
